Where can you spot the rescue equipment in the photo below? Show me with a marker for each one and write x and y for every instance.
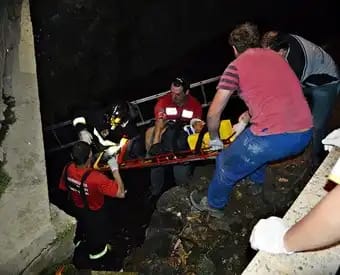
(160, 160)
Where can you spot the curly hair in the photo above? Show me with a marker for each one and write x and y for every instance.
(245, 36)
(275, 40)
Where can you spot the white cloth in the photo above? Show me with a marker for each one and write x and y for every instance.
(267, 235)
(216, 144)
(112, 150)
(112, 162)
(85, 136)
(332, 140)
(239, 127)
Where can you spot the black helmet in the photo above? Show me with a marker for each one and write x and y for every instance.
(119, 113)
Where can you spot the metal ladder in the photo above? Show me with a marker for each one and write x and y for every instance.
(203, 97)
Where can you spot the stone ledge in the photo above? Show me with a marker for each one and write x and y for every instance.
(61, 247)
(320, 262)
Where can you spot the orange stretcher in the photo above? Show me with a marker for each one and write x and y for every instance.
(204, 153)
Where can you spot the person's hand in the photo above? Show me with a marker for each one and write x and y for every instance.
(268, 234)
(85, 136)
(216, 144)
(160, 124)
(332, 140)
(239, 127)
(112, 150)
(112, 162)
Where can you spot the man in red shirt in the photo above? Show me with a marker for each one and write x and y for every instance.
(172, 112)
(280, 118)
(87, 188)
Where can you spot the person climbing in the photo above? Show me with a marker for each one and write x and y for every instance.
(103, 128)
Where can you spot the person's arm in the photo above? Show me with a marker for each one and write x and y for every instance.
(62, 184)
(120, 193)
(228, 83)
(197, 110)
(319, 228)
(121, 189)
(219, 102)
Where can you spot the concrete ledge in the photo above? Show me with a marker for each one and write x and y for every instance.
(324, 261)
(61, 248)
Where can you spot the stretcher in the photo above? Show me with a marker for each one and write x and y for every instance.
(227, 135)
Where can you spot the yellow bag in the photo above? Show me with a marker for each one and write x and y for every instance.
(225, 131)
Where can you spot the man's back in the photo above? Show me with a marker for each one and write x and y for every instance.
(96, 186)
(272, 93)
(318, 66)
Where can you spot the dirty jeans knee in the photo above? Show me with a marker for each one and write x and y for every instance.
(248, 154)
(258, 176)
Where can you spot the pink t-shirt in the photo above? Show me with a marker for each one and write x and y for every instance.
(271, 91)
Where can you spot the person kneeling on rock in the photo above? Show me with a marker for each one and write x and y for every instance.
(280, 119)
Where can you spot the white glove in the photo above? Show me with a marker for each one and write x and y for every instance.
(189, 129)
(216, 144)
(239, 127)
(85, 136)
(267, 235)
(332, 140)
(112, 150)
(112, 162)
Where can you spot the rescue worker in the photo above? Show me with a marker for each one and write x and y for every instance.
(172, 112)
(318, 76)
(87, 189)
(104, 128)
(281, 122)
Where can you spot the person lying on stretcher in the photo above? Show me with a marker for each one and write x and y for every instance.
(226, 130)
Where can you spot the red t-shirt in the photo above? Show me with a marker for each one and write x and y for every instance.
(96, 186)
(271, 91)
(167, 109)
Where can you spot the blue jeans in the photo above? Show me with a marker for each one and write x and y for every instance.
(321, 100)
(248, 156)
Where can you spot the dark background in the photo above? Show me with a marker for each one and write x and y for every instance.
(89, 50)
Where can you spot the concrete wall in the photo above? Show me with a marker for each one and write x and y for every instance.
(27, 234)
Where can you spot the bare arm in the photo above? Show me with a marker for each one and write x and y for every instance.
(217, 106)
(319, 228)
(121, 189)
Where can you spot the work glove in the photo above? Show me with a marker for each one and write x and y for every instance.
(112, 150)
(85, 136)
(112, 162)
(332, 140)
(189, 129)
(216, 144)
(267, 235)
(239, 127)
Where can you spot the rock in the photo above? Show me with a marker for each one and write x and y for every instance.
(167, 222)
(205, 266)
(175, 201)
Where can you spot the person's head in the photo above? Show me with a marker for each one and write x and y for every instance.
(276, 41)
(179, 90)
(243, 37)
(197, 124)
(81, 153)
(118, 114)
